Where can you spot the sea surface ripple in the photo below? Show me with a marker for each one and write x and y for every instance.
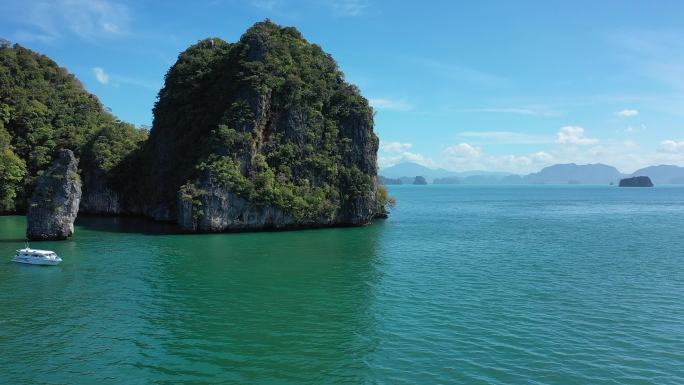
(461, 285)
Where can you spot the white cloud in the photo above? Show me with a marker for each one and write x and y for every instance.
(462, 151)
(392, 153)
(88, 19)
(389, 104)
(626, 155)
(101, 75)
(464, 157)
(417, 158)
(117, 80)
(112, 28)
(406, 156)
(671, 146)
(573, 135)
(627, 113)
(520, 163)
(541, 156)
(348, 7)
(395, 147)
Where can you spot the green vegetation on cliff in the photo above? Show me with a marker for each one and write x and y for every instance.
(44, 108)
(270, 118)
(12, 171)
(113, 152)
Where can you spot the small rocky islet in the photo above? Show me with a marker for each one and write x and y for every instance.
(263, 133)
(636, 181)
(55, 200)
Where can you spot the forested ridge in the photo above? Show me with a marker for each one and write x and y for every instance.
(268, 119)
(44, 108)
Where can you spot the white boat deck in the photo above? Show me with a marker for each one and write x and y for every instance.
(36, 256)
(36, 251)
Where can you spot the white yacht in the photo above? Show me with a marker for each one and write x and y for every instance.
(36, 257)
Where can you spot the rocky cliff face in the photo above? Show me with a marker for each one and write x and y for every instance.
(215, 208)
(263, 133)
(99, 198)
(55, 201)
(260, 134)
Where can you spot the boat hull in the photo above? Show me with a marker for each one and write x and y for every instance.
(36, 261)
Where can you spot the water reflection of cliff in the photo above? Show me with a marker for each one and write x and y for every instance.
(253, 307)
(122, 224)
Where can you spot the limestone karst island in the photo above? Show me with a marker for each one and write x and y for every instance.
(362, 192)
(263, 133)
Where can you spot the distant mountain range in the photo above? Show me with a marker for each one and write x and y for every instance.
(411, 170)
(663, 174)
(571, 173)
(576, 174)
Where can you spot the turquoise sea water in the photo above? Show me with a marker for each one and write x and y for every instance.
(463, 284)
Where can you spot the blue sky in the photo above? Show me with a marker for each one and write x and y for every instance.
(495, 85)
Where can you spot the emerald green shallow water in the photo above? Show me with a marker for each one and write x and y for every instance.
(471, 285)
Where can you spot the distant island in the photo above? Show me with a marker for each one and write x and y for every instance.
(560, 174)
(572, 173)
(447, 180)
(636, 181)
(419, 180)
(263, 133)
(389, 181)
(407, 172)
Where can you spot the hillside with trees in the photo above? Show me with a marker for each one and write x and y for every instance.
(44, 108)
(261, 133)
(270, 122)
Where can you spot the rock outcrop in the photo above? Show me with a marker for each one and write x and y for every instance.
(55, 201)
(636, 181)
(264, 133)
(213, 208)
(419, 180)
(43, 108)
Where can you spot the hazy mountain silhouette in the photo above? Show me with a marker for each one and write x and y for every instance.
(569, 173)
(663, 174)
(409, 169)
(572, 173)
